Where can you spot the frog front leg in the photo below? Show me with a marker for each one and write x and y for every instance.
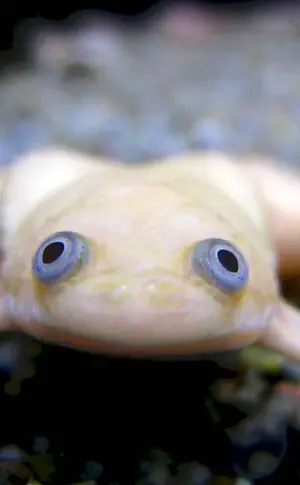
(283, 332)
(280, 191)
(4, 323)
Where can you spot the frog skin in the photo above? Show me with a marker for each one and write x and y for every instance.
(177, 257)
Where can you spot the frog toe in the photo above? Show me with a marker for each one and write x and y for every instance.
(283, 332)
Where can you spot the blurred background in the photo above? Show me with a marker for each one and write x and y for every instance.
(11, 15)
(152, 80)
(136, 82)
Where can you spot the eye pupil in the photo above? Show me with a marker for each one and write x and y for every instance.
(53, 252)
(228, 260)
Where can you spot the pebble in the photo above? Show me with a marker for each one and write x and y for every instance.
(262, 463)
(262, 360)
(246, 392)
(11, 453)
(243, 481)
(93, 470)
(261, 459)
(155, 468)
(192, 474)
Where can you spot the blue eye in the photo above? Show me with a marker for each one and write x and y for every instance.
(220, 263)
(59, 257)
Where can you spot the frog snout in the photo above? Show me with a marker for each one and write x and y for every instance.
(153, 292)
(165, 292)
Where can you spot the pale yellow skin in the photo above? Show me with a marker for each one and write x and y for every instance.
(139, 295)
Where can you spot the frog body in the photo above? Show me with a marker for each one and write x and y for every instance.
(176, 257)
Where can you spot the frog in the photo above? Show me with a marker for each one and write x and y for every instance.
(179, 256)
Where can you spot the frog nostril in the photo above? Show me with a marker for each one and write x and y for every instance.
(163, 293)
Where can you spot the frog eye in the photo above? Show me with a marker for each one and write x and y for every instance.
(220, 263)
(59, 256)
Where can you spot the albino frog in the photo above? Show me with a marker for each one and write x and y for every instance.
(177, 257)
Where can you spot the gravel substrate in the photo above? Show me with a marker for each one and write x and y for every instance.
(69, 417)
(137, 94)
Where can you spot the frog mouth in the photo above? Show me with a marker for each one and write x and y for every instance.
(142, 350)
